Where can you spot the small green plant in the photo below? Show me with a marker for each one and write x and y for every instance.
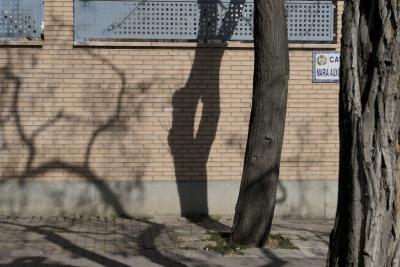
(302, 238)
(187, 248)
(223, 245)
(278, 241)
(180, 245)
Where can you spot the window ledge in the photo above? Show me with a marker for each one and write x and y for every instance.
(162, 44)
(313, 46)
(232, 44)
(21, 42)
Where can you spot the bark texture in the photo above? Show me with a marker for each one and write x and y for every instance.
(367, 226)
(256, 202)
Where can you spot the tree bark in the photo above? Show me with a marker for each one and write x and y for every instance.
(256, 201)
(367, 227)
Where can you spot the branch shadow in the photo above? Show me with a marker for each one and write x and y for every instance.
(82, 169)
(14, 114)
(297, 160)
(13, 87)
(34, 261)
(53, 234)
(190, 147)
(276, 261)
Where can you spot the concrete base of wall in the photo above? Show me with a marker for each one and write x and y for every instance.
(296, 198)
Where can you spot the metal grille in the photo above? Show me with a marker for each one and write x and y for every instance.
(20, 19)
(193, 20)
(310, 20)
(168, 20)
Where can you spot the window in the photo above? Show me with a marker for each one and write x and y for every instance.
(194, 20)
(310, 21)
(21, 19)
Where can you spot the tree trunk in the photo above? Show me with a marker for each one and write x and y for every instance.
(256, 202)
(367, 226)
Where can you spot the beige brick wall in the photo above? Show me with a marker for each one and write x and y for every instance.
(107, 112)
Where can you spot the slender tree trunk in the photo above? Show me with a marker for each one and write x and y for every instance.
(256, 202)
(367, 227)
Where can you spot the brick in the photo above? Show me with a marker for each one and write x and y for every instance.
(118, 103)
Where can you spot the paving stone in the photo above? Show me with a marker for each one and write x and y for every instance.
(104, 241)
(317, 252)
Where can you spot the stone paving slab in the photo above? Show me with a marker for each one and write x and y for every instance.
(109, 241)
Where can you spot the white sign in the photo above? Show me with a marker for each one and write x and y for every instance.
(326, 65)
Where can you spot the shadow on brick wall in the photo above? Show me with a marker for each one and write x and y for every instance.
(12, 114)
(190, 147)
(10, 93)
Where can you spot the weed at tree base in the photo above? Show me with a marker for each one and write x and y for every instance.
(278, 241)
(223, 244)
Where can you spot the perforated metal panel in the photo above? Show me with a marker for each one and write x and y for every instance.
(168, 20)
(310, 20)
(20, 19)
(193, 20)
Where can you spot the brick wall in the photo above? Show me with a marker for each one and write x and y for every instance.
(151, 111)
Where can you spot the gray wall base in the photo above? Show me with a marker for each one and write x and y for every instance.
(309, 199)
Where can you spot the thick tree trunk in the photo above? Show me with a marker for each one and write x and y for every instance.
(256, 202)
(367, 226)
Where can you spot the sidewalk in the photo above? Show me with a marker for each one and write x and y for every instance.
(158, 241)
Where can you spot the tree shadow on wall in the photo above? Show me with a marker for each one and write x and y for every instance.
(29, 138)
(190, 147)
(14, 114)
